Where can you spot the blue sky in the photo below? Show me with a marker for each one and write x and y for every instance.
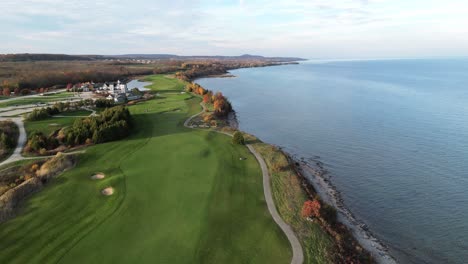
(306, 28)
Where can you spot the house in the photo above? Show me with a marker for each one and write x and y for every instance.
(113, 88)
(120, 98)
(131, 96)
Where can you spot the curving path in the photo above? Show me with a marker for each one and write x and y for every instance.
(298, 254)
(21, 141)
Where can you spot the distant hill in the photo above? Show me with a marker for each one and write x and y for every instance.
(65, 57)
(47, 57)
(218, 57)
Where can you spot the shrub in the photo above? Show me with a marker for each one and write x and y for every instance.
(104, 103)
(311, 208)
(238, 138)
(328, 213)
(42, 152)
(38, 114)
(207, 118)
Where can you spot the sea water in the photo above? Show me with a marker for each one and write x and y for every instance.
(392, 134)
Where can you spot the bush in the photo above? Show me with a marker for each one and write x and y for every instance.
(328, 213)
(311, 208)
(38, 114)
(238, 138)
(104, 103)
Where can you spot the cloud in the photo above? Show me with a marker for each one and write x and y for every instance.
(309, 28)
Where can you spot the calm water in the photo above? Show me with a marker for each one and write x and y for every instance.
(138, 84)
(392, 133)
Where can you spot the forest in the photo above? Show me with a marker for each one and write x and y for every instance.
(24, 73)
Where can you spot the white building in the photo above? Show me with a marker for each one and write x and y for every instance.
(115, 88)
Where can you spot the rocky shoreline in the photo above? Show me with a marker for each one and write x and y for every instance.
(313, 173)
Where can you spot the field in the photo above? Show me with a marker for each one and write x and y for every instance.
(48, 125)
(36, 99)
(181, 196)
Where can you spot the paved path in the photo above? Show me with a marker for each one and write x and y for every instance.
(21, 141)
(31, 96)
(298, 254)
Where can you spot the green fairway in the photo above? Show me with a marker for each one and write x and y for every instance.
(37, 99)
(48, 125)
(181, 196)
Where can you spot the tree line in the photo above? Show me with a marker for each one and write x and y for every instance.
(222, 106)
(112, 124)
(8, 137)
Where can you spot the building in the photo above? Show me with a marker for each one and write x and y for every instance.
(113, 88)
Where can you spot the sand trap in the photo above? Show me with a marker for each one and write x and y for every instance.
(98, 176)
(108, 191)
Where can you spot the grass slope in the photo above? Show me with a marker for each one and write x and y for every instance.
(48, 125)
(181, 196)
(36, 99)
(318, 246)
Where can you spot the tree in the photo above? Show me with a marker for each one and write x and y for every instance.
(207, 98)
(136, 91)
(238, 138)
(328, 213)
(311, 208)
(5, 84)
(6, 91)
(25, 91)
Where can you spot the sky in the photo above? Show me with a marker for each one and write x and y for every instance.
(303, 28)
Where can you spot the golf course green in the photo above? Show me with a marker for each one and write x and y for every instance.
(180, 196)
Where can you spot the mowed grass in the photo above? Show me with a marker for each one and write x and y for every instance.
(48, 125)
(37, 99)
(163, 84)
(181, 196)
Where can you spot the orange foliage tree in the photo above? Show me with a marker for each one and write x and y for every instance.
(311, 208)
(207, 98)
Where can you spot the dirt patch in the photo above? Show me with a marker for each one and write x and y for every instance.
(108, 191)
(98, 176)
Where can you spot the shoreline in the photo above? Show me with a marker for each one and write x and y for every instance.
(329, 194)
(313, 181)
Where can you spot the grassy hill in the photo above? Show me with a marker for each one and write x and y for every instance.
(181, 196)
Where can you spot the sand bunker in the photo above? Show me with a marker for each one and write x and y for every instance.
(98, 176)
(108, 191)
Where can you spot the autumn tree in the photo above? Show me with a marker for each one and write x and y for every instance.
(5, 84)
(207, 98)
(311, 208)
(6, 91)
